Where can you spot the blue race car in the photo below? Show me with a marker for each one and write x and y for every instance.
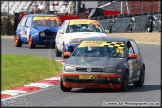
(37, 29)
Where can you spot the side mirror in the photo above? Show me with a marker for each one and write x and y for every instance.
(67, 54)
(107, 31)
(133, 56)
(61, 31)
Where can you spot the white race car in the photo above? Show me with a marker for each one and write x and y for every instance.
(72, 32)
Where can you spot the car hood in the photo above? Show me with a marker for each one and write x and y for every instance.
(94, 61)
(85, 34)
(47, 29)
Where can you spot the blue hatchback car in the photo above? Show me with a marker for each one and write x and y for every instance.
(37, 29)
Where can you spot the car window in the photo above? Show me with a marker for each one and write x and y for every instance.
(130, 48)
(45, 21)
(84, 26)
(22, 23)
(28, 22)
(100, 49)
(135, 47)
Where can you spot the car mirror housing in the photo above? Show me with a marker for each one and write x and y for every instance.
(61, 32)
(133, 56)
(67, 54)
(107, 31)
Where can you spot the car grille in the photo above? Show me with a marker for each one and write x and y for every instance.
(48, 36)
(93, 69)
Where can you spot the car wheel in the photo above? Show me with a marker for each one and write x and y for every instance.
(31, 44)
(140, 82)
(124, 83)
(17, 41)
(64, 88)
(58, 54)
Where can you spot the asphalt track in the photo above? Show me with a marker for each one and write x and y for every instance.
(53, 96)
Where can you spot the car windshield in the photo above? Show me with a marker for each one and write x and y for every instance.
(46, 21)
(100, 49)
(86, 26)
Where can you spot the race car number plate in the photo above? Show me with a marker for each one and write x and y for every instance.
(88, 77)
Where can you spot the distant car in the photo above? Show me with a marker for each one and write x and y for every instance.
(37, 29)
(72, 32)
(103, 62)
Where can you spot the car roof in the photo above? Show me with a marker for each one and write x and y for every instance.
(108, 38)
(40, 15)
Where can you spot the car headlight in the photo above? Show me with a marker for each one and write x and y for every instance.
(69, 69)
(110, 70)
(42, 34)
(76, 40)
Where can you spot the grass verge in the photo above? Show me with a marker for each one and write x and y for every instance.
(18, 70)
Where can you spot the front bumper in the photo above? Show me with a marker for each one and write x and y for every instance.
(70, 47)
(110, 81)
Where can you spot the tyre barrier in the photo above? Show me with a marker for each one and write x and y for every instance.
(131, 23)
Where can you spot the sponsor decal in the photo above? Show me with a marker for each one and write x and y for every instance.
(130, 68)
(81, 60)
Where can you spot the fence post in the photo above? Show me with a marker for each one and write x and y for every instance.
(142, 6)
(8, 18)
(121, 11)
(159, 8)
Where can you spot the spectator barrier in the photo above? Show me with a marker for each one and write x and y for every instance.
(130, 23)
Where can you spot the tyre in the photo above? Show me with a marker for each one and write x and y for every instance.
(53, 45)
(140, 82)
(64, 88)
(124, 83)
(31, 44)
(58, 54)
(17, 41)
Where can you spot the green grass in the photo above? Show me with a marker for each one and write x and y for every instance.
(18, 70)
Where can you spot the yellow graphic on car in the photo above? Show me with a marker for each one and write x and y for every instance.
(75, 22)
(48, 18)
(119, 45)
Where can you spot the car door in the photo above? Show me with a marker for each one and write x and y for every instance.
(58, 41)
(22, 29)
(132, 63)
(63, 35)
(27, 28)
(138, 64)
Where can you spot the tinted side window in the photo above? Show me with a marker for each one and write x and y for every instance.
(28, 22)
(134, 45)
(22, 23)
(130, 48)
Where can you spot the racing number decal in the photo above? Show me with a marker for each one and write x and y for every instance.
(22, 33)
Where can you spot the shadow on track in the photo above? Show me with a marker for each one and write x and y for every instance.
(131, 88)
